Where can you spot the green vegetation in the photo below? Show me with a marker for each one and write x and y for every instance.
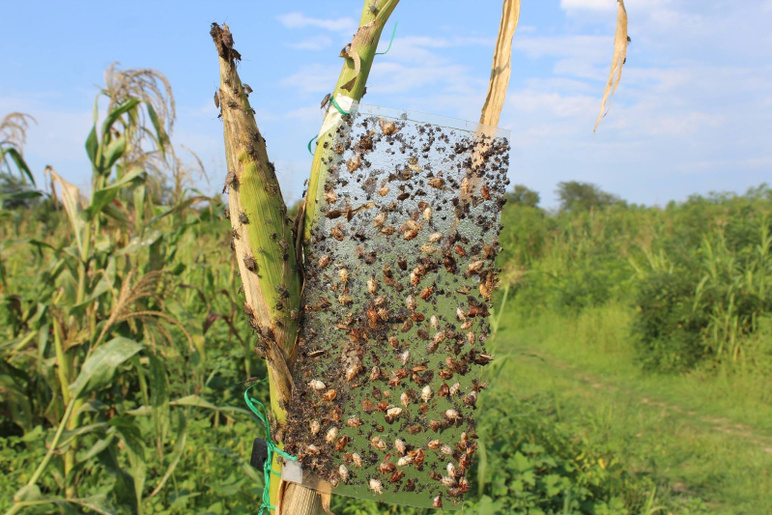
(123, 355)
(116, 348)
(583, 196)
(633, 345)
(645, 333)
(17, 184)
(695, 274)
(604, 397)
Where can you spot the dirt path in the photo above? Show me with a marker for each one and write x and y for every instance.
(719, 424)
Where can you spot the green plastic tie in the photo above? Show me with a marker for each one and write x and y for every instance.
(335, 104)
(340, 110)
(272, 448)
(310, 142)
(393, 32)
(332, 98)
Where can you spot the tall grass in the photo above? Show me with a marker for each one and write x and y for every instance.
(697, 273)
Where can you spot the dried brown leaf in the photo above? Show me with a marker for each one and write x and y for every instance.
(501, 69)
(617, 62)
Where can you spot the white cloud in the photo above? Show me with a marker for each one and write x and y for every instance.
(595, 5)
(713, 165)
(553, 104)
(314, 78)
(427, 80)
(578, 55)
(306, 114)
(690, 114)
(586, 47)
(574, 85)
(419, 72)
(424, 41)
(418, 49)
(314, 43)
(296, 20)
(58, 137)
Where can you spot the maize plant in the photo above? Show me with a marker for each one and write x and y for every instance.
(370, 309)
(15, 188)
(96, 320)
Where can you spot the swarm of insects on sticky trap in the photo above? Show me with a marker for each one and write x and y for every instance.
(399, 276)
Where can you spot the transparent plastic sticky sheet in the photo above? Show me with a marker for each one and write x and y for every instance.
(398, 282)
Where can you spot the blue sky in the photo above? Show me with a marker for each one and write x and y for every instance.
(693, 113)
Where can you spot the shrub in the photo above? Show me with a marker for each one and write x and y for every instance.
(667, 330)
(533, 463)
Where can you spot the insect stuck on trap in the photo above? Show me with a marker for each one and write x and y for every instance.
(325, 100)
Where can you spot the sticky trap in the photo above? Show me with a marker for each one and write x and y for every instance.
(398, 284)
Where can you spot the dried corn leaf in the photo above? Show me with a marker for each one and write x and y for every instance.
(502, 64)
(617, 62)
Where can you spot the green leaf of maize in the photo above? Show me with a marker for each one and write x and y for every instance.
(99, 368)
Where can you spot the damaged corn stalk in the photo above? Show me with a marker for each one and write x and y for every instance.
(262, 234)
(358, 59)
(264, 241)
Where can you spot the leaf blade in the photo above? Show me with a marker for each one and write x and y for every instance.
(100, 367)
(617, 62)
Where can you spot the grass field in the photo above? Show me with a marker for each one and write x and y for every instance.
(706, 440)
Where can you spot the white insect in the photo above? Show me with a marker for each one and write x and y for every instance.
(376, 486)
(404, 460)
(378, 443)
(353, 370)
(393, 413)
(451, 415)
(343, 471)
(455, 388)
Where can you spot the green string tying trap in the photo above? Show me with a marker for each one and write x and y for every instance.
(332, 98)
(260, 412)
(340, 110)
